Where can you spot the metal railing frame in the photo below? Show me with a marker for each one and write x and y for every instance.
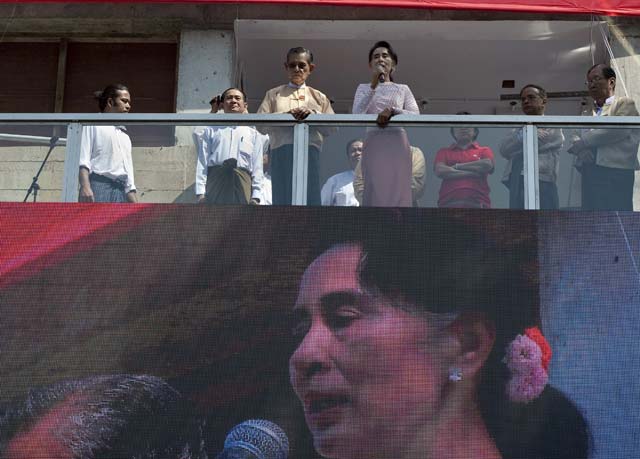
(528, 124)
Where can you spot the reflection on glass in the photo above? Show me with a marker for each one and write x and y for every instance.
(425, 185)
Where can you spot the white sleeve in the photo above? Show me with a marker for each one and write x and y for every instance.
(202, 144)
(131, 185)
(256, 168)
(86, 142)
(128, 162)
(409, 106)
(361, 100)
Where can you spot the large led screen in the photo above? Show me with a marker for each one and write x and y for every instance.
(150, 331)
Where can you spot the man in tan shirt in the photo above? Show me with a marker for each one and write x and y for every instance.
(300, 100)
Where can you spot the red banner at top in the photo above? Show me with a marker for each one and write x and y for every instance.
(598, 7)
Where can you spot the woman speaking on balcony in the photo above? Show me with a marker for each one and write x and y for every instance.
(386, 159)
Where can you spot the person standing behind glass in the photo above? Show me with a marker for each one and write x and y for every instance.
(463, 168)
(386, 159)
(299, 100)
(338, 189)
(534, 102)
(607, 158)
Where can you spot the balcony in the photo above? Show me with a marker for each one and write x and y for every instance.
(167, 173)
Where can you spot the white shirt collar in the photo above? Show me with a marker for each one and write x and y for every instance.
(295, 86)
(608, 101)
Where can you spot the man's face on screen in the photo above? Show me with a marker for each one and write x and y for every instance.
(366, 371)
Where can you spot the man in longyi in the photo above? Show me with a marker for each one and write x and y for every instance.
(229, 169)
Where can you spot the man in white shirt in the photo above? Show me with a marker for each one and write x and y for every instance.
(229, 169)
(106, 167)
(338, 190)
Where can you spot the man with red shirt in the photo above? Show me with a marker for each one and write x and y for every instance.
(463, 168)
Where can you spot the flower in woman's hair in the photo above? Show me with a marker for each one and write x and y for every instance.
(528, 359)
(523, 354)
(536, 335)
(527, 386)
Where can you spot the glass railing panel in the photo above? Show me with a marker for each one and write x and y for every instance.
(218, 164)
(595, 167)
(402, 170)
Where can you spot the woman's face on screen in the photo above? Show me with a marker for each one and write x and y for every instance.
(368, 374)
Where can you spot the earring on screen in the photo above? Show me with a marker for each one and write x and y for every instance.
(455, 374)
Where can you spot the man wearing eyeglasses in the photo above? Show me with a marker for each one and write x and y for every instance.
(300, 101)
(607, 158)
(534, 102)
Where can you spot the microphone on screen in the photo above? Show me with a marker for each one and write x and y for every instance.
(255, 439)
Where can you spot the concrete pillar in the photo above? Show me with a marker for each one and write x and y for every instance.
(205, 69)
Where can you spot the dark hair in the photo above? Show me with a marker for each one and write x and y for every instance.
(476, 131)
(300, 50)
(384, 44)
(462, 262)
(540, 89)
(351, 142)
(110, 416)
(392, 53)
(607, 71)
(224, 94)
(110, 92)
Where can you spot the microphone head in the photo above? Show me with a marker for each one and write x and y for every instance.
(264, 439)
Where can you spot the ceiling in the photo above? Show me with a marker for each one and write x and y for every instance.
(449, 65)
